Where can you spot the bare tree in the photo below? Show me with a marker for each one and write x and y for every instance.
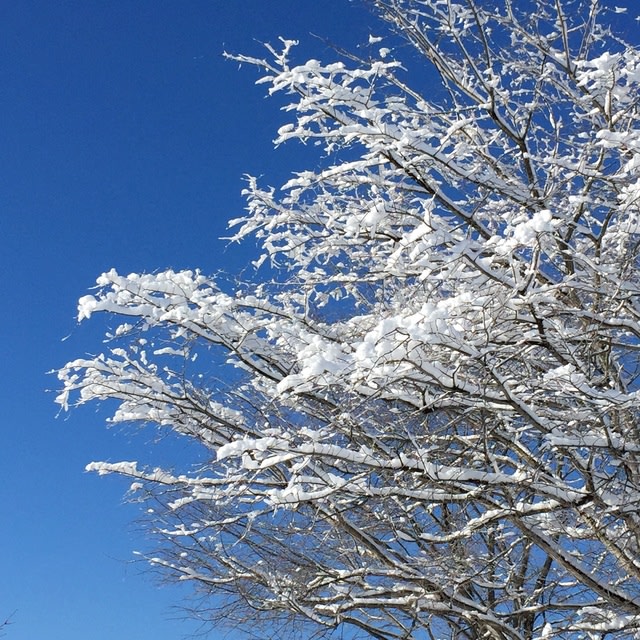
(432, 428)
(5, 623)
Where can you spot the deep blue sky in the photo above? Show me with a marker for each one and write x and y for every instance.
(124, 136)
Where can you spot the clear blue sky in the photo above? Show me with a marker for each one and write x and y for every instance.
(124, 136)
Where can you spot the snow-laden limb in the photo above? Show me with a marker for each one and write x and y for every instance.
(429, 425)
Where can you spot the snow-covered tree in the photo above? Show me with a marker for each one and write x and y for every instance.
(424, 421)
